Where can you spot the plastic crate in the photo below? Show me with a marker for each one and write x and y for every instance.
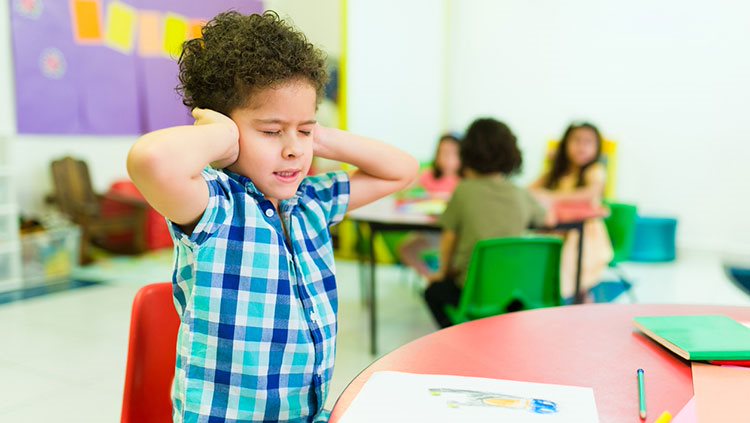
(654, 239)
(8, 224)
(49, 256)
(9, 267)
(5, 197)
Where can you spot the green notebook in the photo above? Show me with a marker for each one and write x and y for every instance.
(699, 338)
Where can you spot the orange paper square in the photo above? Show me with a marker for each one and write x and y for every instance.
(150, 34)
(194, 30)
(87, 24)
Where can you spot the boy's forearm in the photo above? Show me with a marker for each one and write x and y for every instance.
(183, 151)
(447, 249)
(372, 157)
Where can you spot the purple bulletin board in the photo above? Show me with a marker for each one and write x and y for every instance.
(104, 67)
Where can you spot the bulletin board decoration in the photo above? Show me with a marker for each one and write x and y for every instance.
(104, 67)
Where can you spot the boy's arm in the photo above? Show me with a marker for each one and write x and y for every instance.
(382, 169)
(166, 164)
(447, 249)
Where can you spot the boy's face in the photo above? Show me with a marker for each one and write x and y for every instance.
(276, 141)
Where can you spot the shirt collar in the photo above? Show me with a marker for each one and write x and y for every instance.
(254, 192)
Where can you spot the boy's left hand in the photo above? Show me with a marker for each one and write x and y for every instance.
(321, 139)
(435, 277)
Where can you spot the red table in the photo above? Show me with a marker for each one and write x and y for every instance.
(584, 345)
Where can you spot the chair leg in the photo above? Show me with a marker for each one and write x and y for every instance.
(85, 246)
(626, 283)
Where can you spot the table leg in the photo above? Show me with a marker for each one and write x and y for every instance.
(579, 296)
(372, 297)
(361, 261)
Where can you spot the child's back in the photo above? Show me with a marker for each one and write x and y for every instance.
(485, 205)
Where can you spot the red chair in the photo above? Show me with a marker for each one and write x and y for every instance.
(151, 356)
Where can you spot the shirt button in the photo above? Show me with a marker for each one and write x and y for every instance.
(269, 212)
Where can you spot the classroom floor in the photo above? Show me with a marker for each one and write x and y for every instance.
(62, 355)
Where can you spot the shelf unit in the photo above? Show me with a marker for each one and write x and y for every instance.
(10, 246)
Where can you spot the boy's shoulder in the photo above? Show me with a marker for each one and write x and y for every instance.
(324, 185)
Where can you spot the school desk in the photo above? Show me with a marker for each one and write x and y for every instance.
(592, 345)
(384, 216)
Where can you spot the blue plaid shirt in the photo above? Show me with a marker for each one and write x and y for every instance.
(258, 316)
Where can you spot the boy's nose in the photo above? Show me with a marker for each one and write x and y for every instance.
(292, 148)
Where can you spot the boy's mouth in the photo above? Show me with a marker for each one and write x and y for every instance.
(287, 175)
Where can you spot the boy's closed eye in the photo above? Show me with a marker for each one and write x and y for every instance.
(277, 133)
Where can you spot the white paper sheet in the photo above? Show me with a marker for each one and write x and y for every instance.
(407, 397)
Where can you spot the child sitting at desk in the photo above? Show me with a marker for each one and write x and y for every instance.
(577, 176)
(439, 182)
(485, 205)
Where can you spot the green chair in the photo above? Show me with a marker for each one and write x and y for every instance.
(509, 274)
(621, 229)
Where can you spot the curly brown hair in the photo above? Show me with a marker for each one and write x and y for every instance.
(239, 55)
(489, 146)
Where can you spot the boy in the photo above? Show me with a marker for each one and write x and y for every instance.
(254, 280)
(485, 205)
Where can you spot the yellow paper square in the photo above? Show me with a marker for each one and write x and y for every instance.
(121, 20)
(175, 33)
(149, 34)
(87, 25)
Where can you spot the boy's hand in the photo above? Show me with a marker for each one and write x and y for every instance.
(211, 117)
(208, 116)
(435, 278)
(321, 137)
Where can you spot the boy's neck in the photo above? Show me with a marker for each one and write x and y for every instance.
(473, 174)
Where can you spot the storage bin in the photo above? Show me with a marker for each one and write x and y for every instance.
(49, 256)
(9, 266)
(654, 239)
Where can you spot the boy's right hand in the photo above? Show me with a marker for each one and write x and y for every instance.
(212, 117)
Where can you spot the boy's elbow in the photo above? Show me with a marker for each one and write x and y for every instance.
(143, 162)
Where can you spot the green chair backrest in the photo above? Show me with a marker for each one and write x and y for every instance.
(621, 228)
(505, 271)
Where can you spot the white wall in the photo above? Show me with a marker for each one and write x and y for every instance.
(320, 20)
(669, 80)
(395, 72)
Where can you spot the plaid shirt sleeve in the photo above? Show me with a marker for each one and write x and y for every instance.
(217, 210)
(331, 191)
